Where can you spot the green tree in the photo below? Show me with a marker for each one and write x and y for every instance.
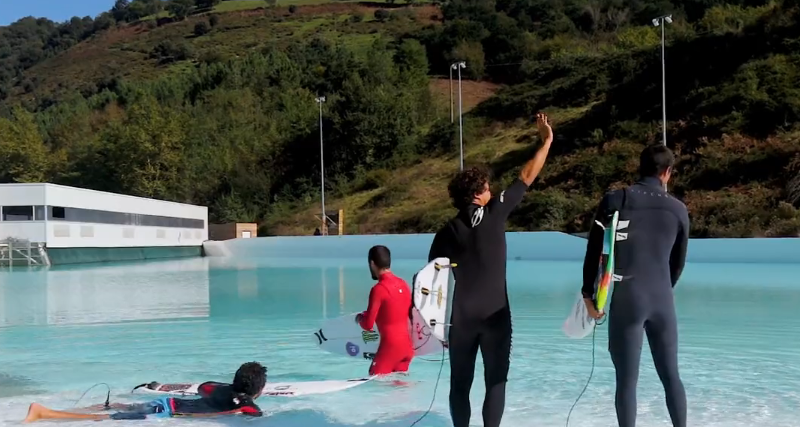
(411, 59)
(153, 7)
(120, 10)
(104, 21)
(472, 54)
(180, 8)
(232, 208)
(137, 9)
(146, 148)
(23, 155)
(206, 4)
(201, 28)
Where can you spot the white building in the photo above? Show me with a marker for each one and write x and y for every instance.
(68, 217)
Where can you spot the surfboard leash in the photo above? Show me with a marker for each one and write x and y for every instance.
(591, 373)
(428, 338)
(435, 387)
(107, 403)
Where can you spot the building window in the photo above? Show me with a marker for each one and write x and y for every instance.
(120, 218)
(38, 213)
(57, 212)
(17, 213)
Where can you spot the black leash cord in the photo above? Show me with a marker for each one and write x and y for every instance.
(107, 404)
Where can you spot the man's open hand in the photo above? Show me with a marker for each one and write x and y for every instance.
(545, 131)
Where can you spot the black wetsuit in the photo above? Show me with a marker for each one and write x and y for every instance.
(215, 399)
(650, 261)
(476, 241)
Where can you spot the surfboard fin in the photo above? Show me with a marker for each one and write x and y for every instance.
(621, 236)
(153, 385)
(623, 224)
(616, 278)
(440, 266)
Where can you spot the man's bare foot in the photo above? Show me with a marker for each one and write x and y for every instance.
(34, 413)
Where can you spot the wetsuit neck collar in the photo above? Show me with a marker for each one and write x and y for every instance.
(470, 208)
(651, 181)
(473, 214)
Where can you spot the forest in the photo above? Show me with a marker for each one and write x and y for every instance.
(206, 103)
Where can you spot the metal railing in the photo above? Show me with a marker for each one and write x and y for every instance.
(21, 252)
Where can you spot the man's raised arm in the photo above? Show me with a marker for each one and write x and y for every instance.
(513, 195)
(532, 168)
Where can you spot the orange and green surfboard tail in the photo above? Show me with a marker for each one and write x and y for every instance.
(607, 263)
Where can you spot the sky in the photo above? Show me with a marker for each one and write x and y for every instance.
(56, 10)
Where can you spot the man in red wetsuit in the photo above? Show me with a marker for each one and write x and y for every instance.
(389, 308)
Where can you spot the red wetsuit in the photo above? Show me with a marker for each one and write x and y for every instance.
(389, 306)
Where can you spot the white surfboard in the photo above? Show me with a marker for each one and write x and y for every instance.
(271, 389)
(430, 291)
(343, 336)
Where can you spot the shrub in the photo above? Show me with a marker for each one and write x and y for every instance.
(358, 16)
(382, 15)
(201, 28)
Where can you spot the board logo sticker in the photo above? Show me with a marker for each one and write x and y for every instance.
(418, 327)
(320, 336)
(369, 356)
(351, 349)
(369, 336)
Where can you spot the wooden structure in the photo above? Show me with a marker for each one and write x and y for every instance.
(232, 230)
(334, 223)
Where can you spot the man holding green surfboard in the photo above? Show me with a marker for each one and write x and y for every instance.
(651, 236)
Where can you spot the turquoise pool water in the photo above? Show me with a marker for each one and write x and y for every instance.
(63, 330)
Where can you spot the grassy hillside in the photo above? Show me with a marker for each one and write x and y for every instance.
(218, 108)
(145, 50)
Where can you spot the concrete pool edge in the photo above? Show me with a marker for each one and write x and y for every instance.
(544, 245)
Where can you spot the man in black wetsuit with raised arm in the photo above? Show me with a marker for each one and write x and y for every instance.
(650, 261)
(475, 240)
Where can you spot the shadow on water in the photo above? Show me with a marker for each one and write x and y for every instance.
(312, 418)
(14, 385)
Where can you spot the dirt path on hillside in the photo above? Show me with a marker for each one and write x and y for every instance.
(473, 92)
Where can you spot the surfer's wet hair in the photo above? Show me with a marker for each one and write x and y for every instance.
(380, 256)
(466, 185)
(655, 160)
(250, 379)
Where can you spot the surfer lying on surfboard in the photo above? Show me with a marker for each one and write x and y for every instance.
(389, 308)
(215, 399)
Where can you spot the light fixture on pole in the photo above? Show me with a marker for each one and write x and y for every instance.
(459, 66)
(324, 230)
(662, 21)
